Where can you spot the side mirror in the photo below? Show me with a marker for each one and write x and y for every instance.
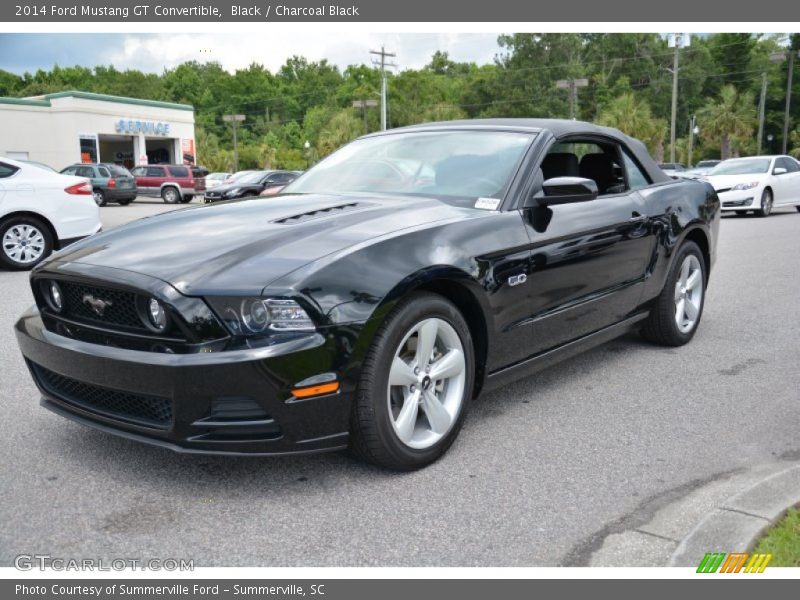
(779, 171)
(564, 190)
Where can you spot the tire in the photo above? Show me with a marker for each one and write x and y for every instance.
(125, 201)
(186, 198)
(766, 203)
(741, 213)
(34, 232)
(99, 197)
(379, 406)
(662, 325)
(798, 208)
(170, 195)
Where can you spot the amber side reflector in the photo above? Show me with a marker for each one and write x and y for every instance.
(316, 390)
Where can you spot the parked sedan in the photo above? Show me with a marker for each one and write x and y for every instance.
(251, 184)
(41, 211)
(215, 179)
(367, 306)
(758, 183)
(110, 182)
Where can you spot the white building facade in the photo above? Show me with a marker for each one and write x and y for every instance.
(72, 127)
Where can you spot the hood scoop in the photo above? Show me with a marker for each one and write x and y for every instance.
(321, 212)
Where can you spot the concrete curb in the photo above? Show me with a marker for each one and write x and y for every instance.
(737, 523)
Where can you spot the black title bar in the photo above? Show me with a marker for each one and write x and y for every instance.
(514, 11)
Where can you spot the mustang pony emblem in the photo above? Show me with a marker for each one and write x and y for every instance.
(98, 305)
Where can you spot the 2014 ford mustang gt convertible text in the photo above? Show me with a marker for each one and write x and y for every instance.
(370, 302)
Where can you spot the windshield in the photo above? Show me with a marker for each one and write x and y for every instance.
(252, 177)
(458, 166)
(750, 166)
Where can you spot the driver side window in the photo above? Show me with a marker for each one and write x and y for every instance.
(598, 161)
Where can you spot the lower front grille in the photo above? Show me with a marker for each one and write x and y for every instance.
(150, 411)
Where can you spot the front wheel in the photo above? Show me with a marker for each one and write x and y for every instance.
(766, 203)
(415, 385)
(676, 314)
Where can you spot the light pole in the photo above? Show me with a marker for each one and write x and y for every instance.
(780, 57)
(234, 120)
(307, 147)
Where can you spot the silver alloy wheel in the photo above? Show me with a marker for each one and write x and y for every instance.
(766, 203)
(99, 197)
(24, 244)
(171, 195)
(426, 383)
(688, 294)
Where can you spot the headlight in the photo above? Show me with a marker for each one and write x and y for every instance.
(233, 192)
(745, 186)
(157, 315)
(259, 316)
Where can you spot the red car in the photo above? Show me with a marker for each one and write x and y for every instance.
(174, 183)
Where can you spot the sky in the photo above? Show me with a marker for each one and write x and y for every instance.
(155, 52)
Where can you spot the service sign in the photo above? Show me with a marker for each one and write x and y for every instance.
(131, 126)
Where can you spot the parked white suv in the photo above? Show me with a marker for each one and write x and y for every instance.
(41, 211)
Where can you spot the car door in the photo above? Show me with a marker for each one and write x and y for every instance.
(793, 177)
(588, 259)
(784, 183)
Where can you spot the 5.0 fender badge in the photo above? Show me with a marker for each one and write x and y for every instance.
(517, 279)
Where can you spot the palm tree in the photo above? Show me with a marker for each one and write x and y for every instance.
(733, 115)
(633, 116)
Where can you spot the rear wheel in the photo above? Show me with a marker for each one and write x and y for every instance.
(415, 385)
(766, 203)
(25, 241)
(170, 195)
(676, 314)
(798, 208)
(99, 197)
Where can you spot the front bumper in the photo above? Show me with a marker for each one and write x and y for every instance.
(234, 402)
(740, 199)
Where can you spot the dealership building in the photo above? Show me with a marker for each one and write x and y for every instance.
(70, 127)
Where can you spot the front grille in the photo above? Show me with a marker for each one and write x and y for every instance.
(150, 411)
(120, 308)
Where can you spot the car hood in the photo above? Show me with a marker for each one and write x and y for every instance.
(723, 182)
(240, 247)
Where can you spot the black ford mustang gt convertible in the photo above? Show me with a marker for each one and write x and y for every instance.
(370, 302)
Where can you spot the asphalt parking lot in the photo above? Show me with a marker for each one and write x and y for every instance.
(538, 474)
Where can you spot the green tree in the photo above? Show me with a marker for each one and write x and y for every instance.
(731, 116)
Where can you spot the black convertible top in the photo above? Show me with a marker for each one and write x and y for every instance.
(559, 128)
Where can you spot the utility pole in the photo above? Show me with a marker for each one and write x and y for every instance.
(234, 120)
(383, 64)
(788, 101)
(692, 126)
(363, 105)
(762, 104)
(779, 57)
(572, 85)
(679, 41)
